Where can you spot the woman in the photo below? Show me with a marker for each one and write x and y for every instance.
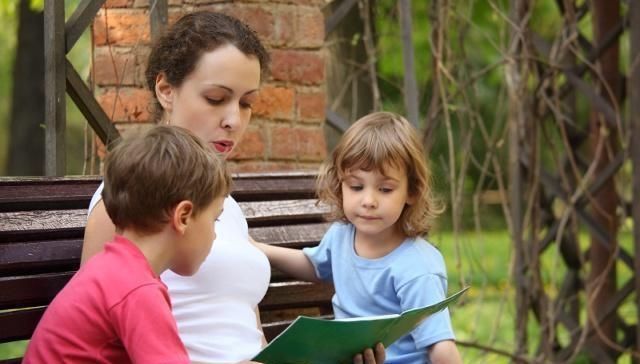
(205, 74)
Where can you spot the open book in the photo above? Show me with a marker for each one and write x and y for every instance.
(310, 340)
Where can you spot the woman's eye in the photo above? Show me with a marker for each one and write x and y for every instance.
(214, 101)
(355, 187)
(245, 105)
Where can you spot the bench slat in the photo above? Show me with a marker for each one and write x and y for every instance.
(291, 236)
(19, 325)
(296, 294)
(41, 256)
(45, 224)
(32, 290)
(64, 254)
(55, 193)
(273, 329)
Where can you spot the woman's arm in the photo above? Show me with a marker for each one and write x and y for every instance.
(293, 262)
(264, 340)
(98, 231)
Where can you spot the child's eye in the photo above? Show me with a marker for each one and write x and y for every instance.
(386, 190)
(355, 187)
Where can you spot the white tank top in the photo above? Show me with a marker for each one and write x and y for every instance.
(215, 308)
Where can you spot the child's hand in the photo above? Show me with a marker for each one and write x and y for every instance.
(371, 357)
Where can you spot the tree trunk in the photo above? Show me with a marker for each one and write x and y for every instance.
(26, 140)
(604, 145)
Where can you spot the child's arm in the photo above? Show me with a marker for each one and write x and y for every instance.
(444, 352)
(290, 261)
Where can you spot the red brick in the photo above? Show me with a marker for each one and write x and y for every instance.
(310, 143)
(145, 3)
(311, 105)
(262, 166)
(320, 3)
(252, 145)
(119, 66)
(305, 67)
(310, 27)
(258, 17)
(274, 102)
(296, 143)
(283, 143)
(121, 27)
(131, 104)
(284, 27)
(117, 3)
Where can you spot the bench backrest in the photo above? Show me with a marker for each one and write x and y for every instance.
(42, 225)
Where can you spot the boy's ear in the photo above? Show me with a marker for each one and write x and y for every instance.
(164, 92)
(181, 215)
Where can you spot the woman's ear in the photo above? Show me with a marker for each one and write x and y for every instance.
(164, 92)
(181, 215)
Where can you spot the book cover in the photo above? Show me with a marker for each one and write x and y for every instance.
(310, 340)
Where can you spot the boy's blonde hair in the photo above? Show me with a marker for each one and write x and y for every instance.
(376, 142)
(148, 173)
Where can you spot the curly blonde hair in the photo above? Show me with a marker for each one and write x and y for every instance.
(376, 142)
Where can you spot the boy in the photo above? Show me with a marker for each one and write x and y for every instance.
(164, 188)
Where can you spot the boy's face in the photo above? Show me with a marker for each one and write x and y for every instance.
(195, 245)
(373, 201)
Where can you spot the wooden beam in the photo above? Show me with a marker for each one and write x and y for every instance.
(634, 116)
(87, 104)
(54, 88)
(332, 21)
(159, 17)
(79, 21)
(410, 84)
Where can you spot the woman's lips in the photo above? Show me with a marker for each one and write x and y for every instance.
(223, 147)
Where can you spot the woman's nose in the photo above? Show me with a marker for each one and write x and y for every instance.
(232, 117)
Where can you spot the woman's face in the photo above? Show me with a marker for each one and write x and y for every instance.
(214, 101)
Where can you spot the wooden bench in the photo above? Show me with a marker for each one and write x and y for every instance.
(42, 225)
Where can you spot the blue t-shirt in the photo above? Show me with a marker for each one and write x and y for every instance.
(412, 275)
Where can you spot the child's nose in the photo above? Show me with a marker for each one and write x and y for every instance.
(369, 199)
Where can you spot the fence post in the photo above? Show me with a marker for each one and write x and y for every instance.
(54, 88)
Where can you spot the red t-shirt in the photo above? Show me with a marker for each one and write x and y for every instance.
(115, 309)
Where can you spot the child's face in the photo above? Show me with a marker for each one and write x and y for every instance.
(198, 239)
(373, 202)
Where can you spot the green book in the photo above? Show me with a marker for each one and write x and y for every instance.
(311, 340)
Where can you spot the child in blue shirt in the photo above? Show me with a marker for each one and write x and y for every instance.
(378, 186)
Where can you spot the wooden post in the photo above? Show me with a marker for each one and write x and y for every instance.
(158, 15)
(516, 86)
(54, 88)
(605, 15)
(634, 116)
(410, 83)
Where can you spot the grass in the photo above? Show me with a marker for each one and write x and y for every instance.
(486, 316)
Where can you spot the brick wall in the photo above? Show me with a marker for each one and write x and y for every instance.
(286, 130)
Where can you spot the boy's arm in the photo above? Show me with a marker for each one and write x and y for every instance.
(444, 352)
(144, 323)
(290, 261)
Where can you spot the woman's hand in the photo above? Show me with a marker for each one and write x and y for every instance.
(369, 356)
